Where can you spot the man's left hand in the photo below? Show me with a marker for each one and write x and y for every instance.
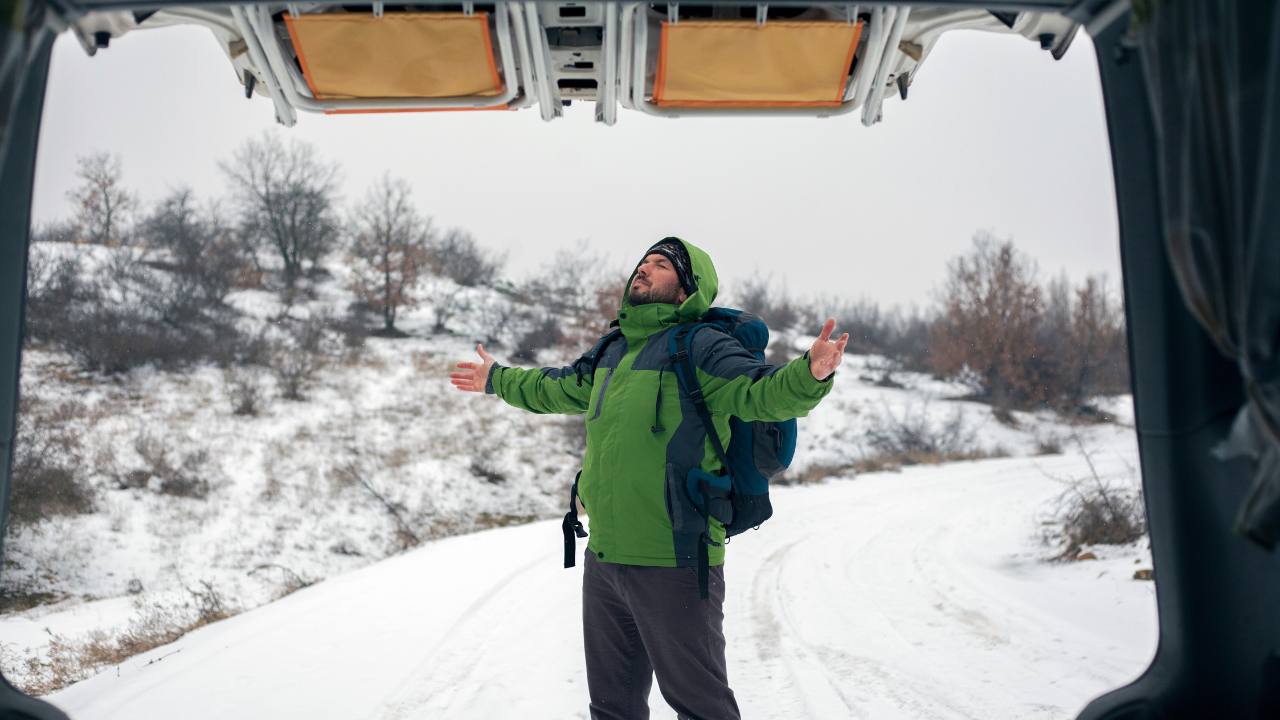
(825, 356)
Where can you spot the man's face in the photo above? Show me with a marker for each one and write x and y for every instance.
(656, 282)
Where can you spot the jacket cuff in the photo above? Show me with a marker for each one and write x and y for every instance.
(488, 382)
(809, 372)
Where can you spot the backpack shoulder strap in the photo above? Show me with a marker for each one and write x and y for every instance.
(592, 361)
(688, 376)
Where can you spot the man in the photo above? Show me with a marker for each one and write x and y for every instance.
(641, 611)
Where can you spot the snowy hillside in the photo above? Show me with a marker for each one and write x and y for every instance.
(920, 594)
(335, 517)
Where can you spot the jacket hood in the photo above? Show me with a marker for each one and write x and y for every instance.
(644, 320)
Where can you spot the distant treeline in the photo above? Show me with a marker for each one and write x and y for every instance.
(161, 295)
(1015, 342)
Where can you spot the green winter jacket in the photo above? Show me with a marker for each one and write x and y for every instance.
(639, 450)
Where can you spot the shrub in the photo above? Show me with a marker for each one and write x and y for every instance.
(48, 465)
(203, 263)
(1099, 511)
(1015, 348)
(125, 311)
(243, 387)
(180, 479)
(544, 333)
(64, 231)
(297, 358)
(915, 437)
(901, 337)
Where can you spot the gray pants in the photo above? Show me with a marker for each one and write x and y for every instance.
(638, 621)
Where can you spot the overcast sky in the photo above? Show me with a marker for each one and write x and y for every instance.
(995, 135)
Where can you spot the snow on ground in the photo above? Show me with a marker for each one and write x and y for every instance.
(920, 594)
(952, 547)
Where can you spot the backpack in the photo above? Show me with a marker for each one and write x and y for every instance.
(757, 451)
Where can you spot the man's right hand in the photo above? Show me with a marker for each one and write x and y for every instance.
(478, 373)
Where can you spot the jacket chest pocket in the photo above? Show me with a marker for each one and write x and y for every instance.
(604, 387)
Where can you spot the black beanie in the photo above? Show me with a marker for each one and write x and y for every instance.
(672, 249)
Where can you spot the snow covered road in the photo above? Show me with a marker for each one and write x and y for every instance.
(901, 595)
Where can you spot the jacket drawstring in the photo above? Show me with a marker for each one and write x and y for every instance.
(657, 407)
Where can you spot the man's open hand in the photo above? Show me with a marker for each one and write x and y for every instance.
(824, 356)
(478, 373)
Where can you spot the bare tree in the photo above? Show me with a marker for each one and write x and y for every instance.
(567, 283)
(103, 205)
(204, 261)
(389, 249)
(458, 257)
(987, 335)
(579, 283)
(285, 198)
(1083, 334)
(57, 231)
(758, 296)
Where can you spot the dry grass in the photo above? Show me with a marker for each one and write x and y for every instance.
(884, 462)
(69, 660)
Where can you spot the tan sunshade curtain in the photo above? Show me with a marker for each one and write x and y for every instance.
(418, 55)
(731, 63)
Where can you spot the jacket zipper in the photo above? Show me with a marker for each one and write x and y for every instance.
(600, 397)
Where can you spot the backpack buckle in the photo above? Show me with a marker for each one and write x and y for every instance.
(680, 356)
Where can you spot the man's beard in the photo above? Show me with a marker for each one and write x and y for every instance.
(646, 296)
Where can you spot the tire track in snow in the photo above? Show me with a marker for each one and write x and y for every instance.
(768, 633)
(853, 685)
(429, 689)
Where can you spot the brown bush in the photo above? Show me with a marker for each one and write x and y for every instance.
(987, 335)
(998, 334)
(1084, 343)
